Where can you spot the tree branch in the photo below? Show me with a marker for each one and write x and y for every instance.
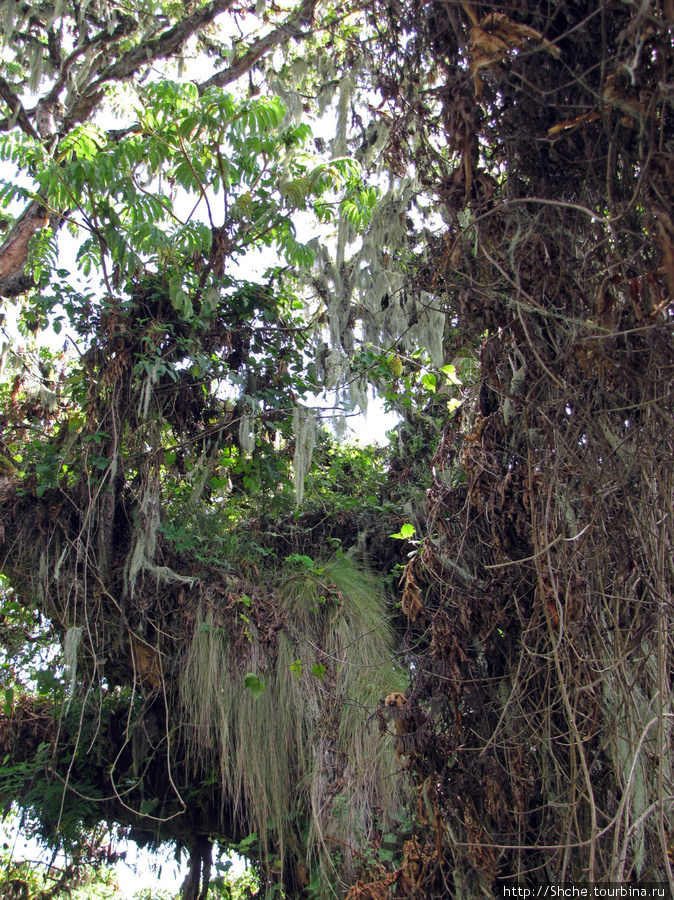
(291, 28)
(14, 251)
(126, 26)
(160, 47)
(16, 106)
(174, 39)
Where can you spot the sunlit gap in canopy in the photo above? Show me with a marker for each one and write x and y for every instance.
(367, 427)
(137, 872)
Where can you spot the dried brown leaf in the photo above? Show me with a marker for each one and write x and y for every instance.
(572, 123)
(412, 606)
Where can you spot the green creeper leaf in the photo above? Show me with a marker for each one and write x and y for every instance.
(319, 671)
(429, 382)
(253, 684)
(147, 806)
(245, 845)
(395, 365)
(407, 531)
(305, 561)
(450, 372)
(296, 668)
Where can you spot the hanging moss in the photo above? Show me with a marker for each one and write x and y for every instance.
(299, 760)
(304, 432)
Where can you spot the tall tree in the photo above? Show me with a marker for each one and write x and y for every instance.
(179, 414)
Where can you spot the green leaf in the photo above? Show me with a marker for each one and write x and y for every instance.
(450, 372)
(407, 531)
(253, 684)
(147, 806)
(247, 842)
(305, 561)
(429, 382)
(85, 141)
(296, 668)
(319, 671)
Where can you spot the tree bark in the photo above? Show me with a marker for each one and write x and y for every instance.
(195, 885)
(14, 250)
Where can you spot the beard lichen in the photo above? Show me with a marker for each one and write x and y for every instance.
(300, 763)
(304, 431)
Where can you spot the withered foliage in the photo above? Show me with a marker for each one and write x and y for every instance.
(538, 728)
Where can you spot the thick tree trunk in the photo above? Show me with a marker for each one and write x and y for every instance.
(14, 250)
(195, 886)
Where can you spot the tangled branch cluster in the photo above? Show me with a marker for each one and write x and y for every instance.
(538, 730)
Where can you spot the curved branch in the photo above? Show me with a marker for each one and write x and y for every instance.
(10, 98)
(292, 28)
(174, 39)
(150, 51)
